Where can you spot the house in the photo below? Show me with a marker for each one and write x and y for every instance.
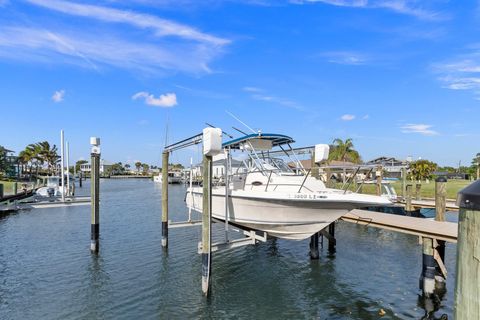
(391, 166)
(12, 165)
(218, 167)
(105, 166)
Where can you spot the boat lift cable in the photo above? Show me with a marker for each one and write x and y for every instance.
(234, 117)
(242, 132)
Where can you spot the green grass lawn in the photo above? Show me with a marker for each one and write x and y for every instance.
(8, 187)
(427, 190)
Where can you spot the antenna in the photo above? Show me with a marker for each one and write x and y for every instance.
(240, 131)
(241, 122)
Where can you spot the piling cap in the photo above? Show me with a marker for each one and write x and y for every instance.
(441, 179)
(469, 197)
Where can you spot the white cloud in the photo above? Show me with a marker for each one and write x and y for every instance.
(461, 73)
(91, 50)
(366, 117)
(407, 7)
(58, 96)
(161, 27)
(423, 129)
(347, 117)
(145, 43)
(164, 100)
(345, 57)
(261, 95)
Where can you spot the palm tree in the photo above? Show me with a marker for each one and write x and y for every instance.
(344, 151)
(48, 154)
(138, 165)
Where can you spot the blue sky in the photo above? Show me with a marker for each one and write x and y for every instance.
(399, 77)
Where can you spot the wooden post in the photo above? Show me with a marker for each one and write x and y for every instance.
(95, 194)
(418, 187)
(379, 181)
(331, 241)
(408, 200)
(467, 288)
(404, 182)
(15, 188)
(165, 199)
(440, 204)
(80, 179)
(206, 223)
(1, 190)
(314, 254)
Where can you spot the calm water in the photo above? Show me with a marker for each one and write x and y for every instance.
(48, 272)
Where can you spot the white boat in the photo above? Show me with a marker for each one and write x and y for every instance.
(271, 197)
(53, 187)
(174, 177)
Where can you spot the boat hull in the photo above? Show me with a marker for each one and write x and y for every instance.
(286, 219)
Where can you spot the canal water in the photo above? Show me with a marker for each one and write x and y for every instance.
(48, 272)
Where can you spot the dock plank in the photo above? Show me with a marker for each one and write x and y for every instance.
(446, 231)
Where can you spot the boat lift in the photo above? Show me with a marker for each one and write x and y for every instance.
(212, 145)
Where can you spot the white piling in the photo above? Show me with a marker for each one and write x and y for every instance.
(62, 170)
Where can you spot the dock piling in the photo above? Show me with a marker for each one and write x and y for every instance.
(206, 223)
(95, 194)
(80, 179)
(165, 156)
(467, 289)
(1, 190)
(418, 188)
(15, 188)
(408, 200)
(314, 254)
(379, 181)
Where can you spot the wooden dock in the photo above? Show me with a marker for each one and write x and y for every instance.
(439, 230)
(450, 205)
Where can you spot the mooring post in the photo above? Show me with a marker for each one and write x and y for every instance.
(15, 188)
(331, 241)
(467, 288)
(379, 181)
(80, 179)
(440, 205)
(427, 276)
(408, 200)
(314, 254)
(1, 190)
(165, 199)
(206, 223)
(404, 182)
(95, 193)
(418, 187)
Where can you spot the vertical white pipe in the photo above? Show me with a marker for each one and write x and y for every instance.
(68, 168)
(191, 190)
(227, 183)
(62, 170)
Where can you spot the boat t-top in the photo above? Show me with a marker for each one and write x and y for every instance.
(266, 194)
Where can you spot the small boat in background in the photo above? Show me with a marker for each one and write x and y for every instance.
(174, 177)
(54, 188)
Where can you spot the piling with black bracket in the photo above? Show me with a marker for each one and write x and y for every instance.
(95, 193)
(331, 241)
(467, 288)
(206, 223)
(440, 205)
(427, 277)
(165, 199)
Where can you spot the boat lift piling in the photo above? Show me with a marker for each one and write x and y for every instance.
(165, 156)
(206, 223)
(440, 208)
(95, 194)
